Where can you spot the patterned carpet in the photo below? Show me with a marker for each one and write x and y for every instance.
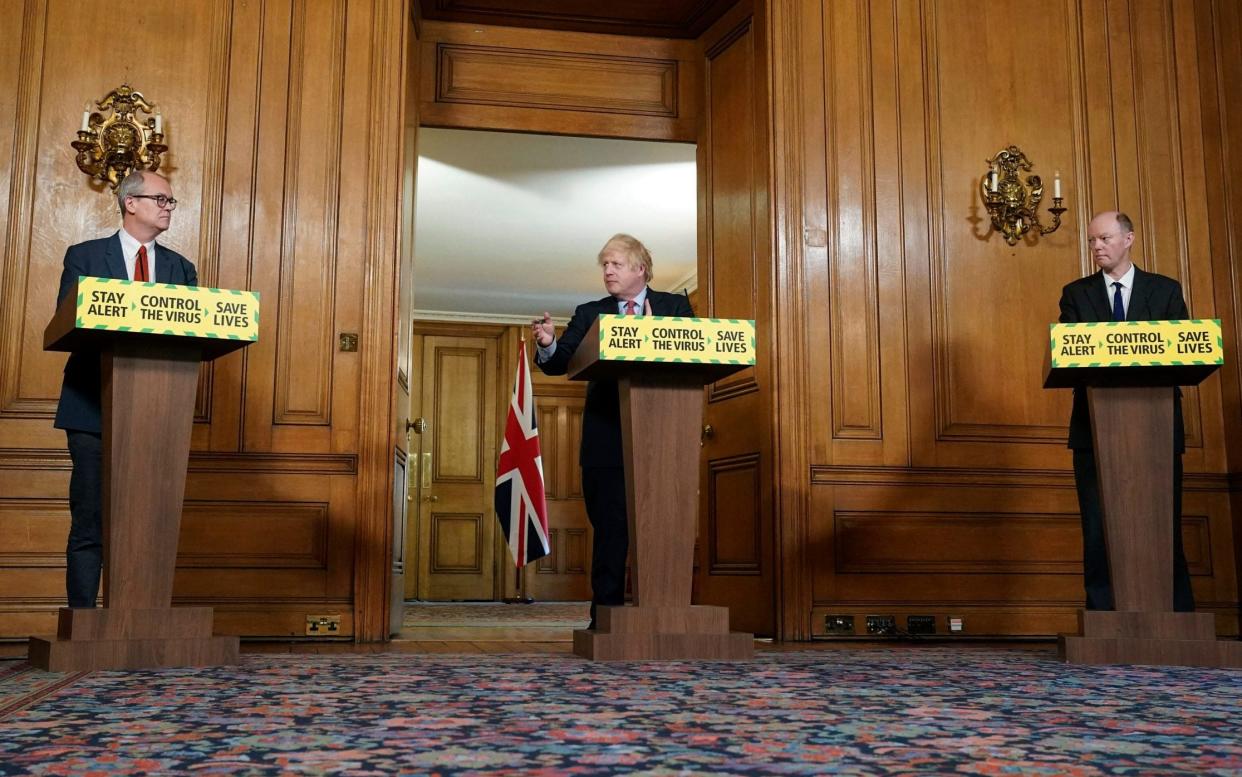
(925, 710)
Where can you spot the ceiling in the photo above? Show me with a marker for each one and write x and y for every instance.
(509, 225)
(660, 18)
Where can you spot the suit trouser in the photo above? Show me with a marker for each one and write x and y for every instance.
(1095, 551)
(603, 490)
(84, 551)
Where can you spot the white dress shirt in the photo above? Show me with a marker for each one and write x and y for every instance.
(1127, 287)
(129, 250)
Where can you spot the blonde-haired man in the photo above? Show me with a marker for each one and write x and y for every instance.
(626, 267)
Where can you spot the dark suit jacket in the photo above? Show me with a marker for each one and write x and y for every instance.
(1154, 298)
(601, 416)
(80, 393)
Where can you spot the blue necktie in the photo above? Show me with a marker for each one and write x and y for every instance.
(1119, 308)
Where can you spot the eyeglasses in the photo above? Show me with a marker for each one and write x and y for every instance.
(161, 200)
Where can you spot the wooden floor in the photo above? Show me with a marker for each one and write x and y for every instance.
(16, 651)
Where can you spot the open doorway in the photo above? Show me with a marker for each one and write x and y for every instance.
(508, 226)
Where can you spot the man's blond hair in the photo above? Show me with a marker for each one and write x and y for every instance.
(632, 249)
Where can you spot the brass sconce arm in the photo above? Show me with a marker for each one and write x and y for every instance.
(110, 146)
(1013, 204)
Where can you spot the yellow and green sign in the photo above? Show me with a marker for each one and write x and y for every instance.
(1137, 344)
(166, 309)
(676, 339)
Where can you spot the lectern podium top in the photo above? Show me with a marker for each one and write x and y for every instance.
(1132, 353)
(616, 346)
(97, 311)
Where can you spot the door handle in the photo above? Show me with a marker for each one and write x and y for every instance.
(708, 432)
(431, 498)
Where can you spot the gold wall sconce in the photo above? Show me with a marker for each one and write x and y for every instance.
(1012, 204)
(110, 146)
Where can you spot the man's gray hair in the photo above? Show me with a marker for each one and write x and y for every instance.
(1124, 222)
(132, 184)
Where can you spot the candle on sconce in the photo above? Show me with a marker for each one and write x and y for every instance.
(1056, 185)
(992, 179)
(86, 118)
(159, 123)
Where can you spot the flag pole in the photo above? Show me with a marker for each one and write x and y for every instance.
(518, 596)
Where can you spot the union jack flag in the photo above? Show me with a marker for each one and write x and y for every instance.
(520, 503)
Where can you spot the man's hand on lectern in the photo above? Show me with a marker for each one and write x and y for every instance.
(543, 331)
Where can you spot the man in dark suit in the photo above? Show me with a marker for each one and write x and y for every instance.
(146, 203)
(626, 266)
(1120, 292)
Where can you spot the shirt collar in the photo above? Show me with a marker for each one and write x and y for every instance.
(130, 244)
(639, 299)
(1127, 280)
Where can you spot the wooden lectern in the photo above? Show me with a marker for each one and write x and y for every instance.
(1132, 429)
(661, 420)
(149, 383)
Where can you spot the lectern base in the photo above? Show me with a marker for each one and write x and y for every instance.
(1156, 638)
(1156, 652)
(115, 638)
(663, 633)
(56, 655)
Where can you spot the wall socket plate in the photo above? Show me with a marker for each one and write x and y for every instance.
(881, 625)
(839, 625)
(323, 625)
(921, 624)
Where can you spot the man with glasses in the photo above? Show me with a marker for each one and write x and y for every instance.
(1120, 292)
(146, 203)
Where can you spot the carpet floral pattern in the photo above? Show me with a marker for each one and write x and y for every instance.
(927, 710)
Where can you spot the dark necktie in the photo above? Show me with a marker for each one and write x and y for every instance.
(1119, 307)
(140, 265)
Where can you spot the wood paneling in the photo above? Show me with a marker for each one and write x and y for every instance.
(283, 122)
(895, 415)
(933, 463)
(557, 82)
(564, 575)
(224, 534)
(456, 544)
(308, 261)
(734, 516)
(586, 82)
(662, 18)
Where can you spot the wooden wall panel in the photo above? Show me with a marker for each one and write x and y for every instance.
(191, 95)
(273, 197)
(479, 77)
(1217, 28)
(564, 575)
(308, 262)
(938, 474)
(663, 18)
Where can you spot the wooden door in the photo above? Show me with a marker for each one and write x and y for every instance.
(457, 469)
(736, 542)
